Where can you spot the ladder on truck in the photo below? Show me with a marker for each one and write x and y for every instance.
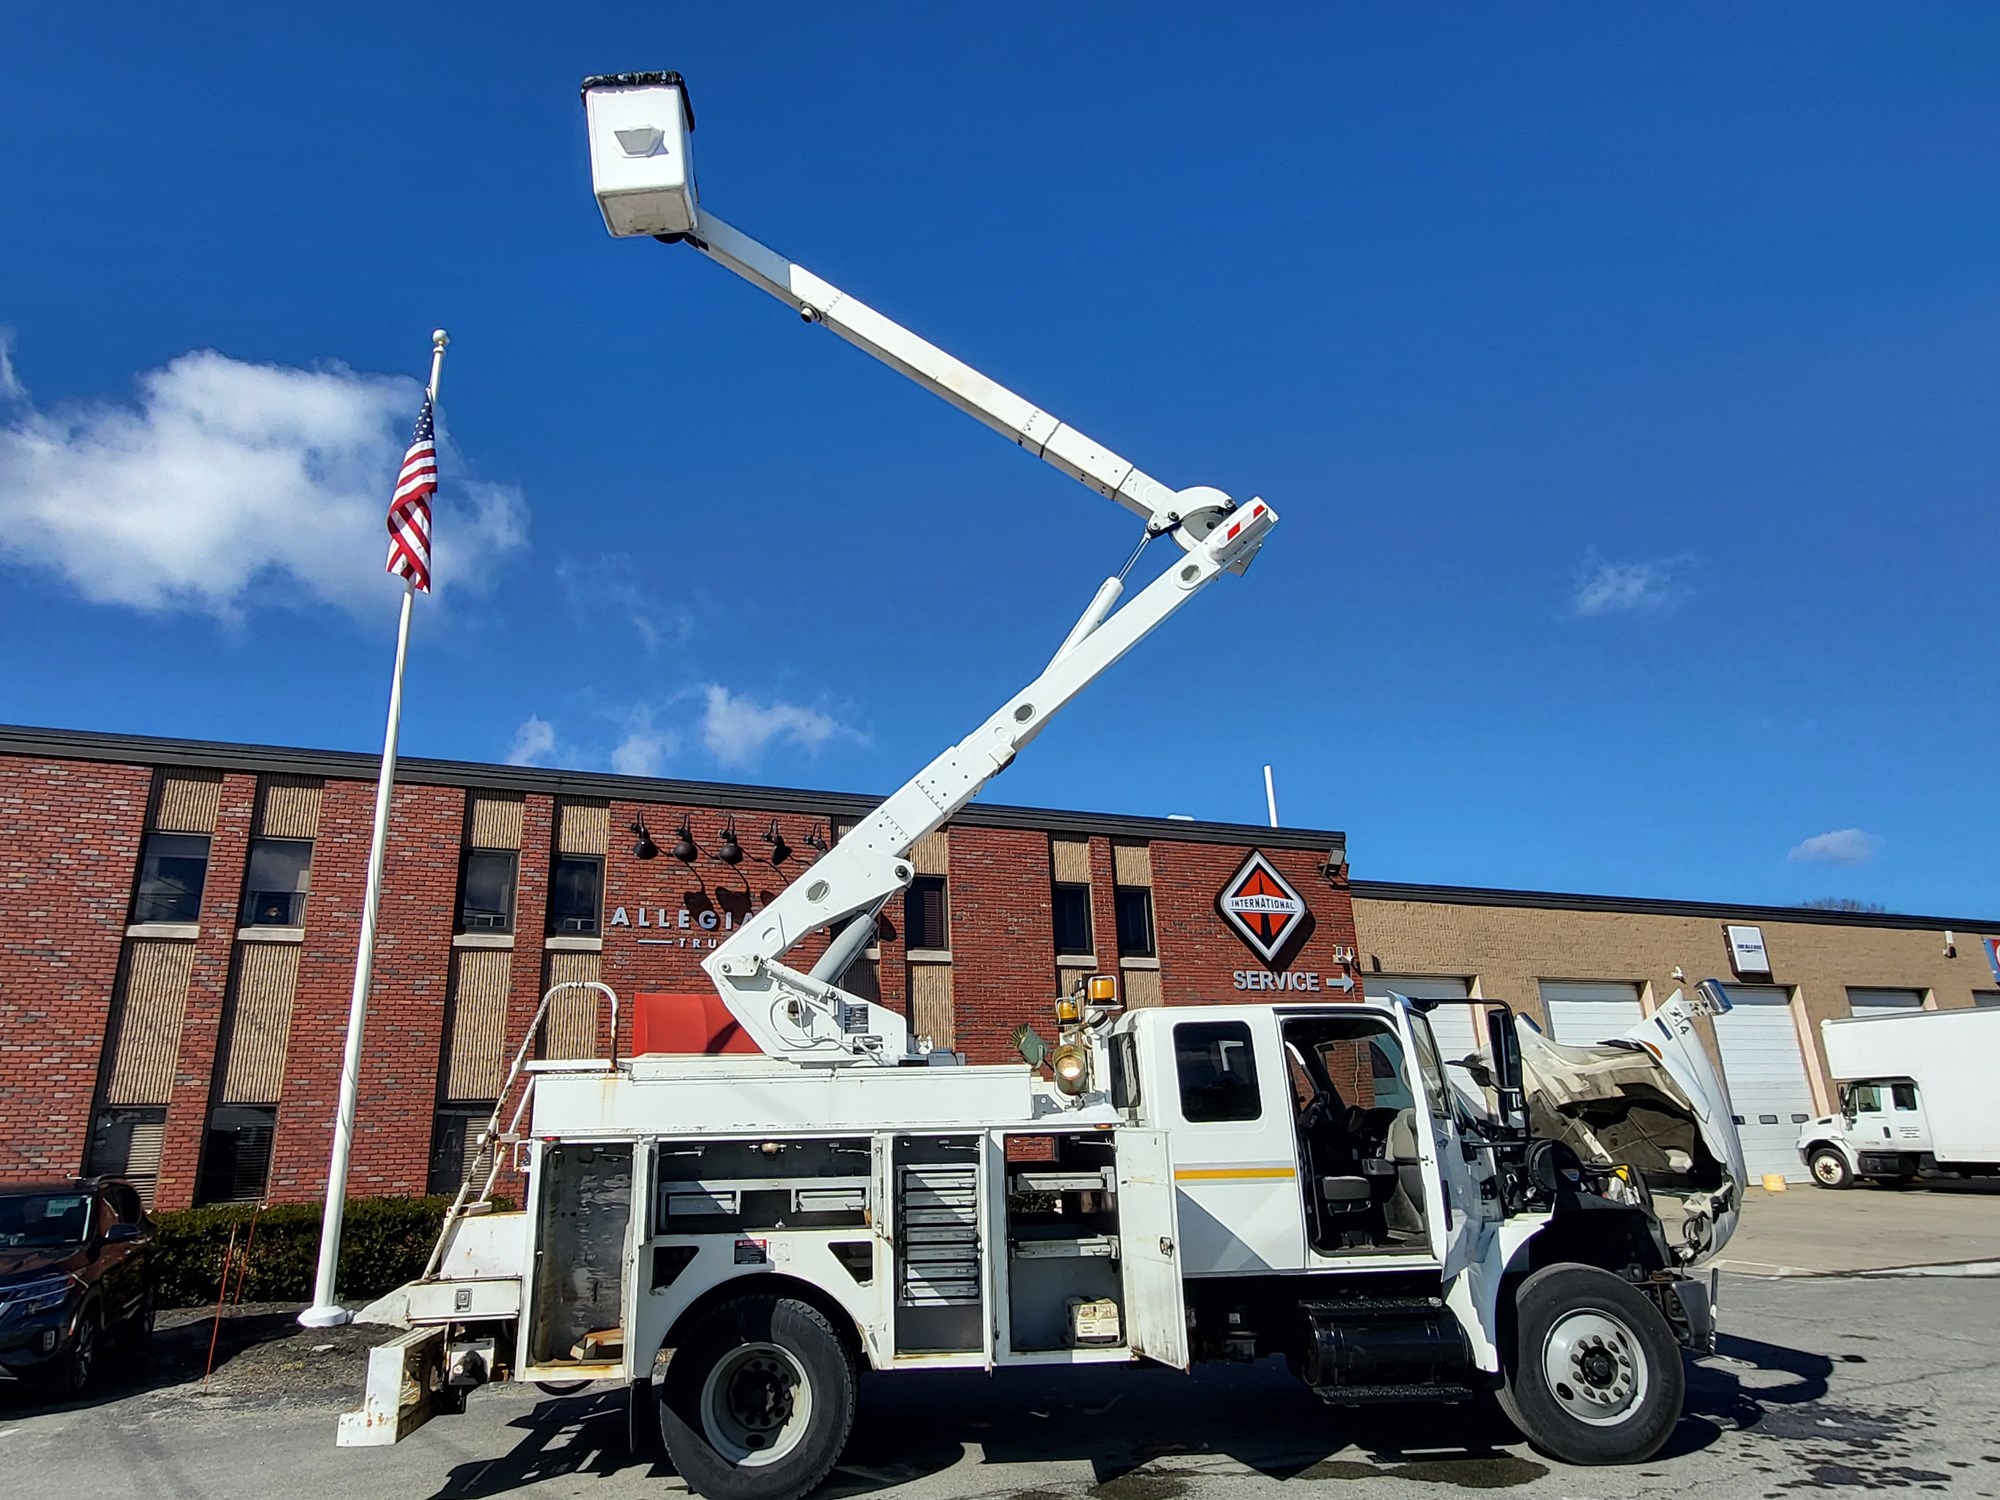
(468, 1204)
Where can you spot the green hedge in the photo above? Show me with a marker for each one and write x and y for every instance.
(384, 1242)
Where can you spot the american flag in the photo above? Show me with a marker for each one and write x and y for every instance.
(410, 506)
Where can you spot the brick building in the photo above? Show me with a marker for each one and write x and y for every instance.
(178, 924)
(178, 921)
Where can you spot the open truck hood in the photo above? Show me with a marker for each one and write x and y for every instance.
(1651, 1100)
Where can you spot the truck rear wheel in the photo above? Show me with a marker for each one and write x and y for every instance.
(1595, 1375)
(758, 1400)
(1829, 1169)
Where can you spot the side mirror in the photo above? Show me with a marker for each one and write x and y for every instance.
(1505, 1045)
(121, 1234)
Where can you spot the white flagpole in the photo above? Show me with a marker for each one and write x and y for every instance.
(325, 1312)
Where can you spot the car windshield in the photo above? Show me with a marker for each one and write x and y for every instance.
(43, 1219)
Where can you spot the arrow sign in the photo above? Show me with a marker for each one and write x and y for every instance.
(1344, 984)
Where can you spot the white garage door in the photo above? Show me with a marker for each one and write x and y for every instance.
(1583, 1011)
(1767, 1078)
(1453, 1025)
(1874, 1002)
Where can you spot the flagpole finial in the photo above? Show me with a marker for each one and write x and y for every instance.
(439, 338)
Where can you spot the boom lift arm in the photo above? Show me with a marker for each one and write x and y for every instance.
(644, 184)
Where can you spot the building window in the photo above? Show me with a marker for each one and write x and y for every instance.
(926, 914)
(1218, 1072)
(276, 881)
(486, 891)
(454, 1138)
(236, 1159)
(576, 895)
(172, 872)
(1135, 921)
(126, 1143)
(1071, 911)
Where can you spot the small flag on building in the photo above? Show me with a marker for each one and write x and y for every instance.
(410, 506)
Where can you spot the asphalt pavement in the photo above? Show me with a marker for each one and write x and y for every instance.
(1849, 1383)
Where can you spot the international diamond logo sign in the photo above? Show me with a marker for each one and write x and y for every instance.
(1262, 906)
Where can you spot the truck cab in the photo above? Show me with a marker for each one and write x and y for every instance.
(1881, 1133)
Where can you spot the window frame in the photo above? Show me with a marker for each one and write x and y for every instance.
(1079, 893)
(1121, 895)
(141, 894)
(1212, 1035)
(205, 1178)
(296, 915)
(596, 928)
(465, 863)
(913, 897)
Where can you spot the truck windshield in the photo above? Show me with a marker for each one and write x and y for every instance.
(43, 1220)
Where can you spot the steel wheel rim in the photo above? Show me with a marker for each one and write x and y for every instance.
(84, 1354)
(1826, 1168)
(756, 1405)
(1594, 1367)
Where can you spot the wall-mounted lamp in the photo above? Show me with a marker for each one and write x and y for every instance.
(684, 848)
(816, 840)
(1333, 869)
(1678, 975)
(780, 850)
(731, 852)
(643, 846)
(1950, 944)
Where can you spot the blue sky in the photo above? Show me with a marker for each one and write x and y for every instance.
(1626, 381)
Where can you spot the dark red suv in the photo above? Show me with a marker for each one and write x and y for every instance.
(75, 1267)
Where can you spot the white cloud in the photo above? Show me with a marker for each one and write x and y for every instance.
(611, 582)
(534, 742)
(11, 388)
(1608, 588)
(646, 747)
(227, 481)
(736, 729)
(1843, 846)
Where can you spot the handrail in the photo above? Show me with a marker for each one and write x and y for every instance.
(488, 1148)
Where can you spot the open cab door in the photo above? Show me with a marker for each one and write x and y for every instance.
(1149, 1236)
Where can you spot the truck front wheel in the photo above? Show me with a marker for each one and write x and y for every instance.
(1829, 1169)
(1595, 1376)
(758, 1400)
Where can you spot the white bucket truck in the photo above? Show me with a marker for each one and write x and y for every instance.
(1916, 1096)
(735, 1237)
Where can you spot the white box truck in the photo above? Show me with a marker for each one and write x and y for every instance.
(1916, 1096)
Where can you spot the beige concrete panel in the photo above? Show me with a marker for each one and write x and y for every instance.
(1132, 864)
(188, 801)
(583, 826)
(931, 1011)
(148, 1016)
(493, 820)
(260, 1023)
(476, 1044)
(571, 1027)
(1142, 988)
(932, 854)
(1070, 860)
(291, 807)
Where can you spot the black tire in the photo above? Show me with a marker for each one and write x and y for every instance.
(736, 1385)
(1829, 1169)
(78, 1365)
(1595, 1374)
